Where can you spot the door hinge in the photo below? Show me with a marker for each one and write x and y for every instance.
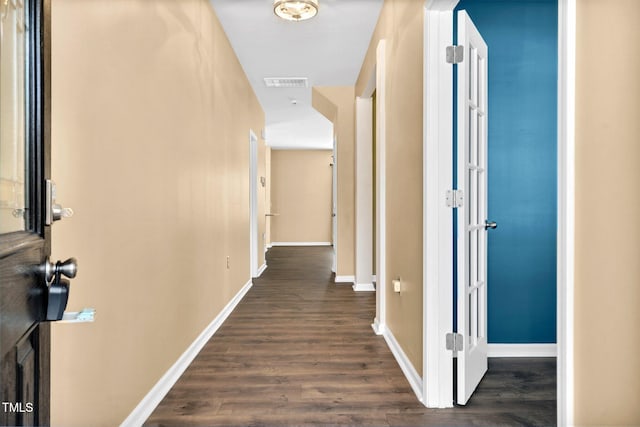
(455, 342)
(455, 54)
(455, 199)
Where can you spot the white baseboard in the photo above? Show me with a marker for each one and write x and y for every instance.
(364, 287)
(345, 279)
(261, 269)
(300, 244)
(162, 387)
(522, 350)
(378, 327)
(407, 367)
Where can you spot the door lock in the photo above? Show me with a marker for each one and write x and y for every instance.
(54, 211)
(68, 268)
(57, 287)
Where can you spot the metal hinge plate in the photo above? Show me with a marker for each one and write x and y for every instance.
(455, 342)
(455, 198)
(455, 54)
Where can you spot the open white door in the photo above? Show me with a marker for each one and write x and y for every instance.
(472, 216)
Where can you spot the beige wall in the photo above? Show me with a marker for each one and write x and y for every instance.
(337, 104)
(607, 271)
(401, 25)
(151, 119)
(301, 195)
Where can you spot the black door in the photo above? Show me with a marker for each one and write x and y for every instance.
(24, 236)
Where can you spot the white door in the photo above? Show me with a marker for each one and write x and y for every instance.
(472, 216)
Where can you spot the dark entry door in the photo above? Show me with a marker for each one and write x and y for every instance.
(24, 236)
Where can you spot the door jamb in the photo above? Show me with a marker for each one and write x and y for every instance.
(438, 117)
(334, 205)
(437, 226)
(364, 187)
(253, 204)
(364, 210)
(380, 323)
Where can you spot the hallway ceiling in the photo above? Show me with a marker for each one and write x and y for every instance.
(327, 49)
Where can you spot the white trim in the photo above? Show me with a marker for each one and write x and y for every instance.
(374, 278)
(437, 218)
(269, 246)
(261, 270)
(300, 244)
(415, 381)
(146, 406)
(522, 350)
(566, 210)
(379, 323)
(253, 204)
(334, 205)
(345, 279)
(364, 188)
(378, 328)
(364, 287)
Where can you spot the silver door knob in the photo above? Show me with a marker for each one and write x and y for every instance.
(490, 225)
(68, 268)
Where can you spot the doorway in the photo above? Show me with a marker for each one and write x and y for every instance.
(370, 189)
(438, 87)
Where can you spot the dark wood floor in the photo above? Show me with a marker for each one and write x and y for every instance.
(299, 350)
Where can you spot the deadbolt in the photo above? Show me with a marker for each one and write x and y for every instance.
(54, 211)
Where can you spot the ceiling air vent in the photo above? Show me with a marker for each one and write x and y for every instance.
(287, 82)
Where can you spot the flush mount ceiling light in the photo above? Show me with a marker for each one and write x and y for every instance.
(295, 10)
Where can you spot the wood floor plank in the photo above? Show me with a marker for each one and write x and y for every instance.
(299, 351)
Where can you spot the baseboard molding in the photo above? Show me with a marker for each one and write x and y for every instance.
(261, 269)
(345, 279)
(300, 244)
(407, 367)
(522, 350)
(378, 327)
(162, 387)
(364, 287)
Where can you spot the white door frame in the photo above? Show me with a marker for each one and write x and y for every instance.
(334, 206)
(380, 322)
(437, 237)
(364, 186)
(364, 192)
(253, 204)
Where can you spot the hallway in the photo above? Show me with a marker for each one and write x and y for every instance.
(299, 350)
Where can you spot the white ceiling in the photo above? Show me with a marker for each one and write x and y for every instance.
(327, 49)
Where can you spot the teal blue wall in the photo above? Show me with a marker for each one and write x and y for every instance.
(522, 40)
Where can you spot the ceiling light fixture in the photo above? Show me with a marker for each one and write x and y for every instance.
(295, 10)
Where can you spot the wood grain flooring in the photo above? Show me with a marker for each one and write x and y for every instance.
(299, 350)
